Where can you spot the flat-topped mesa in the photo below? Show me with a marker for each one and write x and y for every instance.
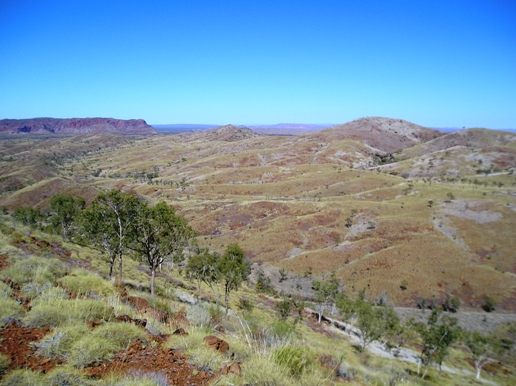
(230, 133)
(76, 126)
(385, 134)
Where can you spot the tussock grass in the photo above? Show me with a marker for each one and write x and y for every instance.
(196, 350)
(103, 342)
(5, 361)
(84, 283)
(67, 376)
(34, 269)
(61, 312)
(5, 291)
(22, 377)
(10, 311)
(58, 343)
(136, 378)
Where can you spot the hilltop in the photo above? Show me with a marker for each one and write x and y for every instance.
(76, 126)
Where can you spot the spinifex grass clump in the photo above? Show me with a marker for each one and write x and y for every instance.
(61, 312)
(10, 311)
(58, 343)
(83, 282)
(295, 359)
(34, 269)
(103, 342)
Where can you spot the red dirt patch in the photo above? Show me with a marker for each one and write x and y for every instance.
(140, 358)
(16, 344)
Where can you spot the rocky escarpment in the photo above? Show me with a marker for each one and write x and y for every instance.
(75, 126)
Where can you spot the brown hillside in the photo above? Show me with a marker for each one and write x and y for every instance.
(387, 135)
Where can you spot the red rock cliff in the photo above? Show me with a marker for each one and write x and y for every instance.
(75, 126)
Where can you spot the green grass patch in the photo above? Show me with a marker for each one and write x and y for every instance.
(58, 343)
(34, 269)
(103, 342)
(295, 359)
(61, 312)
(84, 283)
(10, 311)
(5, 291)
(5, 361)
(67, 376)
(22, 377)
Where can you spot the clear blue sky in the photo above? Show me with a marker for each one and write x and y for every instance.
(436, 63)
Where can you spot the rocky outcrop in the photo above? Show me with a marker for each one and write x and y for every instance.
(229, 133)
(76, 126)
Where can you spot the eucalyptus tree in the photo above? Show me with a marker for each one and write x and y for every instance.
(66, 209)
(158, 234)
(109, 223)
(326, 293)
(233, 269)
(203, 267)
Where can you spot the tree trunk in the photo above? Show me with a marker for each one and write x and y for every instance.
(153, 276)
(226, 299)
(478, 372)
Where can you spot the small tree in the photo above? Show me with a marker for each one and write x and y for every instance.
(438, 335)
(108, 224)
(203, 267)
(159, 234)
(66, 208)
(233, 269)
(481, 349)
(326, 293)
(374, 322)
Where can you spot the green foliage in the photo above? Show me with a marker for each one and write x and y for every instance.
(295, 359)
(438, 335)
(10, 311)
(374, 322)
(108, 223)
(158, 234)
(234, 269)
(203, 267)
(27, 216)
(245, 305)
(61, 312)
(482, 349)
(66, 208)
(326, 293)
(263, 283)
(489, 305)
(83, 282)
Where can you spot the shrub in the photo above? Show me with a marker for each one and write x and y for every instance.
(261, 370)
(10, 311)
(295, 359)
(23, 377)
(84, 283)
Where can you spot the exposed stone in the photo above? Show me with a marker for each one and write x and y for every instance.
(75, 126)
(216, 344)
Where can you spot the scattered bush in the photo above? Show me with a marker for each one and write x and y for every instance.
(295, 359)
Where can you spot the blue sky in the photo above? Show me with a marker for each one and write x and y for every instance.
(435, 63)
